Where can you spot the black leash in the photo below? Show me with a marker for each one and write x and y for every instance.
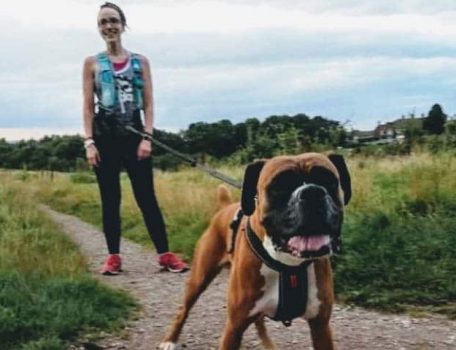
(187, 158)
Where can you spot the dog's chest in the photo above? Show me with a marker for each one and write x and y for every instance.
(269, 301)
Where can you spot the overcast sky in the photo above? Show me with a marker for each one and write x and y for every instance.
(358, 61)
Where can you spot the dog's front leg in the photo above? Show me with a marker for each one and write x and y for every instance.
(207, 263)
(321, 333)
(232, 335)
(238, 304)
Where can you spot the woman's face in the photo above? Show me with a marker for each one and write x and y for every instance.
(110, 25)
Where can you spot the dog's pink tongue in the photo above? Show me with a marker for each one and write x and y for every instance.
(309, 243)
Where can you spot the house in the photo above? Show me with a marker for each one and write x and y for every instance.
(385, 131)
(359, 136)
(382, 134)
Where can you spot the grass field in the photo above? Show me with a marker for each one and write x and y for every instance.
(47, 297)
(399, 234)
(187, 200)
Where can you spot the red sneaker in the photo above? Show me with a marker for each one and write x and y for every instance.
(112, 265)
(172, 262)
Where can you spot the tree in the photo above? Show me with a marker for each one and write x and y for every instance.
(216, 139)
(288, 141)
(5, 151)
(170, 139)
(434, 123)
(337, 136)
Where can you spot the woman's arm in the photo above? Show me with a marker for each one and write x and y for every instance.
(88, 101)
(145, 147)
(88, 109)
(148, 99)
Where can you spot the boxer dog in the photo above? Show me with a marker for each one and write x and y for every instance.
(293, 206)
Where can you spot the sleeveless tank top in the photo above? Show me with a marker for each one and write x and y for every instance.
(119, 95)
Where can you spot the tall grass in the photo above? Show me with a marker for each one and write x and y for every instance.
(399, 235)
(398, 238)
(187, 200)
(46, 294)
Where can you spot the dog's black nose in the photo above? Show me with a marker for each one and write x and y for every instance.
(312, 193)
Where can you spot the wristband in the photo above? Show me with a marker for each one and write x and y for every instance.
(88, 142)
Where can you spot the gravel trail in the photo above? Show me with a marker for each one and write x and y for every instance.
(160, 294)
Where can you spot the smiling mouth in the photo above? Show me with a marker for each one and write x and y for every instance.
(110, 33)
(315, 246)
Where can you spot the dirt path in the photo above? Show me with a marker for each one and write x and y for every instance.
(160, 294)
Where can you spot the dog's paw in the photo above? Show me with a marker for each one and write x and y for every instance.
(167, 346)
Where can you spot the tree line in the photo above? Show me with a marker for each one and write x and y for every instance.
(218, 140)
(222, 140)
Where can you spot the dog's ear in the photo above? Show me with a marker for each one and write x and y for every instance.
(345, 181)
(249, 186)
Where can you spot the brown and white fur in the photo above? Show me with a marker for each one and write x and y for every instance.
(253, 287)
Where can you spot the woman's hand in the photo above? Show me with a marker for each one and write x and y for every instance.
(144, 149)
(92, 155)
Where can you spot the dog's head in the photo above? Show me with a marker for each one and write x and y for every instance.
(298, 202)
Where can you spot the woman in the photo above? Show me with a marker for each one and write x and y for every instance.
(121, 82)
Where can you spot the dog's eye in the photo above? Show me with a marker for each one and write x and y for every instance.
(323, 177)
(285, 183)
(332, 186)
(329, 183)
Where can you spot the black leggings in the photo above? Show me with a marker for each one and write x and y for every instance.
(115, 153)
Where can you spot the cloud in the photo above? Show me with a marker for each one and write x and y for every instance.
(359, 7)
(359, 60)
(364, 89)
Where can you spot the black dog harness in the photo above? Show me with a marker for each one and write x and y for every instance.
(234, 228)
(293, 284)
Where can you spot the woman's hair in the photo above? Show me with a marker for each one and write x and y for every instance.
(123, 19)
